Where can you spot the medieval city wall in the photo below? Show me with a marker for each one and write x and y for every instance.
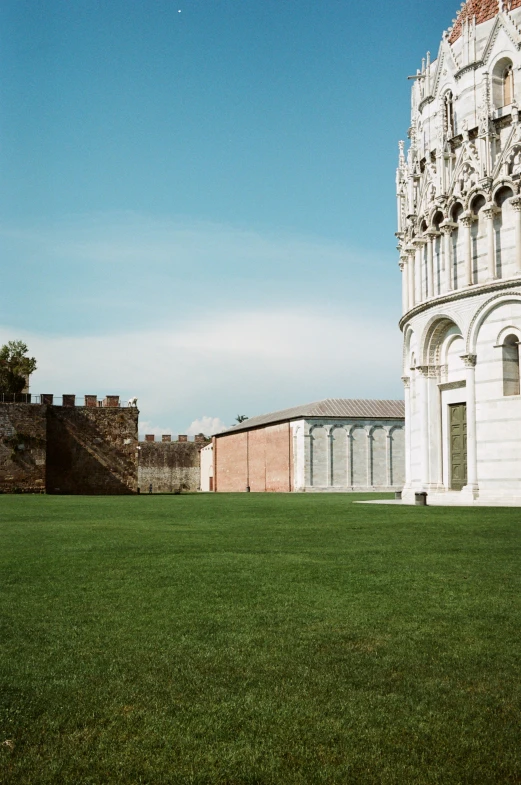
(91, 450)
(170, 466)
(23, 442)
(68, 449)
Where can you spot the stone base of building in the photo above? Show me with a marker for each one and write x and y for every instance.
(349, 489)
(467, 497)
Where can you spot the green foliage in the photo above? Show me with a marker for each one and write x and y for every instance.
(258, 639)
(15, 367)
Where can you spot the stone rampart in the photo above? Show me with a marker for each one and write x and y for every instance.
(23, 443)
(91, 450)
(170, 466)
(68, 449)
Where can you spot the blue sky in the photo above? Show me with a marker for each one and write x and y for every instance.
(197, 202)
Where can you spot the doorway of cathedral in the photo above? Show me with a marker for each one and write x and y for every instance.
(458, 445)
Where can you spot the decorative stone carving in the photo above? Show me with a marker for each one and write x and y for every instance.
(467, 219)
(469, 360)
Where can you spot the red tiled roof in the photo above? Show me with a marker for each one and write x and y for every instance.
(483, 10)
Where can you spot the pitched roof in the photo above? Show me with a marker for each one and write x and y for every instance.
(483, 10)
(331, 408)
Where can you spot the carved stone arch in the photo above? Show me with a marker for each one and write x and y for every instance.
(357, 426)
(511, 33)
(447, 112)
(512, 159)
(499, 191)
(482, 313)
(432, 338)
(408, 338)
(455, 208)
(506, 331)
(372, 428)
(449, 85)
(476, 200)
(436, 217)
(466, 177)
(445, 63)
(501, 62)
(444, 350)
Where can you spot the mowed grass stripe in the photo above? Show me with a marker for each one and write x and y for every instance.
(258, 639)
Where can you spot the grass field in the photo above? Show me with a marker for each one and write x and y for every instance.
(258, 639)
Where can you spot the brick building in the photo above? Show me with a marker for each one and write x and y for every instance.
(331, 445)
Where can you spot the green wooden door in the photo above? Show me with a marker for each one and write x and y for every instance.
(458, 445)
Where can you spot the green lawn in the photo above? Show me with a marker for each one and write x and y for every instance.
(258, 639)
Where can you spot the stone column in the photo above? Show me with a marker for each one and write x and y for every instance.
(516, 204)
(489, 211)
(431, 286)
(329, 462)
(389, 458)
(405, 283)
(410, 276)
(467, 220)
(419, 243)
(407, 394)
(423, 395)
(307, 457)
(369, 458)
(447, 229)
(472, 452)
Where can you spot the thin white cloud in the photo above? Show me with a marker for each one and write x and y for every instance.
(195, 317)
(235, 362)
(126, 271)
(207, 425)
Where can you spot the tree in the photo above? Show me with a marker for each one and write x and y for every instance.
(240, 418)
(15, 367)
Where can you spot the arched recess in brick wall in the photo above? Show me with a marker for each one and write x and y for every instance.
(359, 457)
(397, 449)
(379, 457)
(319, 456)
(339, 457)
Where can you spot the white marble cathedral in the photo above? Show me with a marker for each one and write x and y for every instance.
(459, 232)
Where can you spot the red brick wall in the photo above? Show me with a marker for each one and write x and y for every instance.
(260, 458)
(278, 458)
(257, 463)
(230, 463)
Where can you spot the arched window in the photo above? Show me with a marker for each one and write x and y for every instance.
(448, 114)
(503, 83)
(502, 194)
(511, 365)
(508, 85)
